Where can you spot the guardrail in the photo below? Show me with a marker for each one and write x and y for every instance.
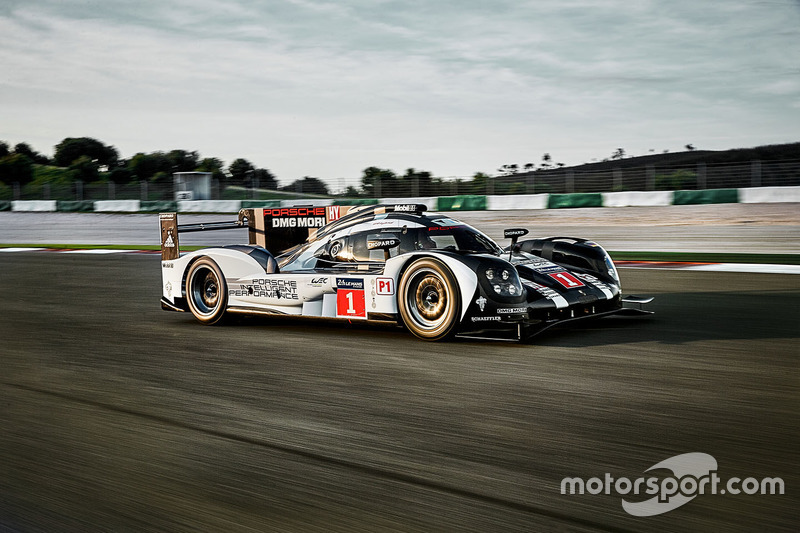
(469, 202)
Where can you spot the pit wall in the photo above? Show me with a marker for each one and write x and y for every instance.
(470, 202)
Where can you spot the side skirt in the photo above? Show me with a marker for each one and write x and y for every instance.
(371, 317)
(167, 306)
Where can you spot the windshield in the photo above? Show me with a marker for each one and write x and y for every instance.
(450, 235)
(460, 238)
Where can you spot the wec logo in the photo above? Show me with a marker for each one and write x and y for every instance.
(692, 474)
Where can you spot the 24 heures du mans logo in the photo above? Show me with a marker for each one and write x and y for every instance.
(693, 474)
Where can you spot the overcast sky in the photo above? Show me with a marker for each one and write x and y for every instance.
(328, 88)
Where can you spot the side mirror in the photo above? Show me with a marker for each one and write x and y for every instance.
(514, 234)
(330, 250)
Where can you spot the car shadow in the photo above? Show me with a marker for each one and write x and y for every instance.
(679, 318)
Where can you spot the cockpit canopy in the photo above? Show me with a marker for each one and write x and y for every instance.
(363, 237)
(456, 238)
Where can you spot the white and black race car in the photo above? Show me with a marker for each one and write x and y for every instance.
(433, 274)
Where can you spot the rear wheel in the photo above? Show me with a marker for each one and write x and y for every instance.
(206, 291)
(429, 300)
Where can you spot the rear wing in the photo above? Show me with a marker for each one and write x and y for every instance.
(276, 229)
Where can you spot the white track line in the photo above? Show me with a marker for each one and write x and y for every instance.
(751, 268)
(747, 267)
(97, 251)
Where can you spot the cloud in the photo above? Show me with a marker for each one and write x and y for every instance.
(327, 88)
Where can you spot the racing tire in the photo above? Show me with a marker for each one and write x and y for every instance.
(429, 300)
(206, 291)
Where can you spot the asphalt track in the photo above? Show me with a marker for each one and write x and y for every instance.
(117, 416)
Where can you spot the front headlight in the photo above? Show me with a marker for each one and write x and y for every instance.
(612, 269)
(504, 282)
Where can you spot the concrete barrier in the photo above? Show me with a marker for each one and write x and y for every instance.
(637, 198)
(314, 202)
(577, 199)
(355, 201)
(444, 203)
(209, 206)
(462, 202)
(769, 195)
(33, 205)
(117, 206)
(708, 196)
(253, 204)
(74, 206)
(159, 206)
(427, 201)
(513, 202)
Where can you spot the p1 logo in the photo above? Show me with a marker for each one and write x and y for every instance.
(384, 286)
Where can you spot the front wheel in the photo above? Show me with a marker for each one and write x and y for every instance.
(429, 300)
(206, 291)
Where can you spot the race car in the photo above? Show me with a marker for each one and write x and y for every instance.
(434, 275)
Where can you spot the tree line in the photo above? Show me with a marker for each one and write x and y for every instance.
(89, 160)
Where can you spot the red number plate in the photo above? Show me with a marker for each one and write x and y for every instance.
(350, 304)
(566, 279)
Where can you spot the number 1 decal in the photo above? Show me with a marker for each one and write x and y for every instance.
(566, 279)
(350, 298)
